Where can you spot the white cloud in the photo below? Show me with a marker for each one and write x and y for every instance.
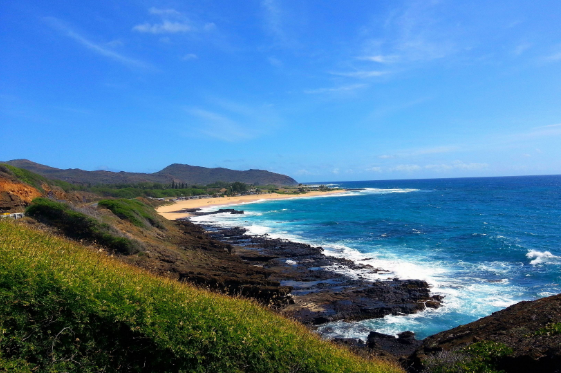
(166, 27)
(172, 22)
(345, 88)
(165, 12)
(550, 126)
(416, 32)
(380, 59)
(190, 56)
(115, 43)
(554, 57)
(96, 48)
(457, 165)
(551, 130)
(361, 74)
(423, 151)
(274, 19)
(443, 167)
(275, 62)
(374, 169)
(219, 126)
(521, 48)
(231, 121)
(406, 168)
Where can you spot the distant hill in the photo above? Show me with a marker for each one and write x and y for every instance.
(176, 172)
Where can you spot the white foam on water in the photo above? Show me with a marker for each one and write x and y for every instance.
(467, 298)
(542, 257)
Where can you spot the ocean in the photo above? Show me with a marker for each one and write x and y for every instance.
(483, 243)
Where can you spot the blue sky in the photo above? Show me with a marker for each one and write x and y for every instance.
(319, 90)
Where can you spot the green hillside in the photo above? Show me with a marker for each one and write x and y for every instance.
(65, 308)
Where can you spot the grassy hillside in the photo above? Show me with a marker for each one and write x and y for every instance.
(77, 225)
(134, 211)
(34, 179)
(64, 308)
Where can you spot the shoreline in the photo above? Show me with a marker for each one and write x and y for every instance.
(318, 294)
(175, 211)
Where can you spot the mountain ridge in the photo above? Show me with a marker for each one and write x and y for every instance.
(175, 172)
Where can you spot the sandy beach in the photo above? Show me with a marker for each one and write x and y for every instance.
(172, 212)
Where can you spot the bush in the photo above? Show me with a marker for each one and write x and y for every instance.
(80, 226)
(479, 357)
(134, 211)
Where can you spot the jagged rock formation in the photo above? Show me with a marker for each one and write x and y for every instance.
(532, 330)
(176, 172)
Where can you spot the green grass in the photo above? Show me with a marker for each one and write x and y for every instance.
(134, 211)
(64, 308)
(36, 180)
(80, 226)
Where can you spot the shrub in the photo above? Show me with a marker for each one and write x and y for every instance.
(479, 357)
(134, 211)
(78, 225)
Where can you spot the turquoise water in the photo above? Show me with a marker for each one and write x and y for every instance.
(484, 243)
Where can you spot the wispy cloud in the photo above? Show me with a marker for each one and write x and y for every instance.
(406, 167)
(275, 62)
(166, 27)
(165, 12)
(457, 165)
(550, 126)
(380, 59)
(172, 22)
(219, 126)
(416, 32)
(551, 130)
(442, 167)
(554, 57)
(232, 122)
(521, 48)
(361, 74)
(190, 56)
(94, 47)
(418, 152)
(345, 88)
(273, 17)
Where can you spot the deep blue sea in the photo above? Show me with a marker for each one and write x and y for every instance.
(483, 243)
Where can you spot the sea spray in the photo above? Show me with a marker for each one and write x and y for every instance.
(482, 243)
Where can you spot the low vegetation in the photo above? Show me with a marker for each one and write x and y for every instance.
(550, 329)
(36, 180)
(134, 211)
(479, 357)
(64, 308)
(78, 225)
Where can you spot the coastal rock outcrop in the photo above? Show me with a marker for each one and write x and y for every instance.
(326, 288)
(525, 337)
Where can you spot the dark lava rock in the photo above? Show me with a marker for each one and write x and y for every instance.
(530, 329)
(322, 290)
(402, 346)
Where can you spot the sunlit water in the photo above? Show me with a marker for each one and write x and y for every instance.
(484, 243)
